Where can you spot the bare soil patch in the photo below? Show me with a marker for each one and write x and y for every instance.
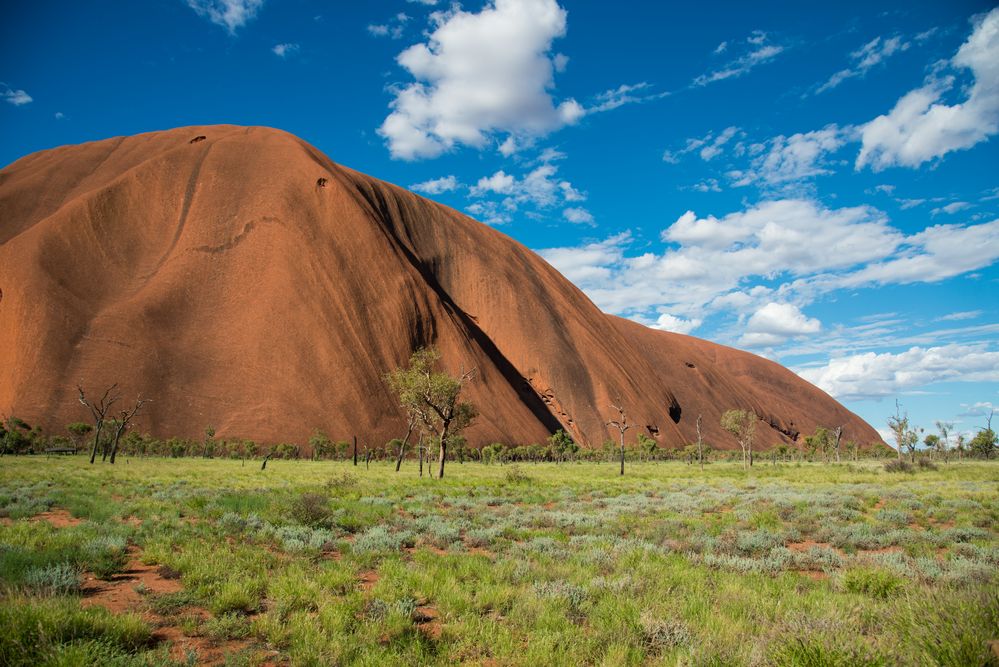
(58, 517)
(120, 594)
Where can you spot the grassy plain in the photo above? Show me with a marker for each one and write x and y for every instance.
(322, 563)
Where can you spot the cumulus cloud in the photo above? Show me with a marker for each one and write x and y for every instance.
(951, 208)
(16, 97)
(710, 258)
(921, 127)
(284, 50)
(668, 322)
(436, 186)
(775, 323)
(230, 14)
(932, 255)
(872, 375)
(870, 54)
(578, 215)
(479, 74)
(759, 51)
(540, 187)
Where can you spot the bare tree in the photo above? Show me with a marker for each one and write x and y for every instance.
(839, 434)
(904, 435)
(98, 410)
(121, 424)
(700, 443)
(742, 424)
(622, 425)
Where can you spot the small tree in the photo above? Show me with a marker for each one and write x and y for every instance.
(435, 396)
(79, 431)
(985, 441)
(98, 409)
(647, 446)
(561, 444)
(819, 441)
(906, 437)
(621, 424)
(944, 442)
(742, 425)
(209, 449)
(122, 422)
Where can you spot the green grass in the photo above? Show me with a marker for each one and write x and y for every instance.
(557, 565)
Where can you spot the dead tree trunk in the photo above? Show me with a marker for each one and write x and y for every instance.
(355, 451)
(700, 444)
(124, 419)
(621, 424)
(98, 410)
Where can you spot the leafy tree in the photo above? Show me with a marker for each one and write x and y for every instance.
(321, 445)
(742, 425)
(944, 428)
(434, 396)
(209, 450)
(647, 445)
(561, 444)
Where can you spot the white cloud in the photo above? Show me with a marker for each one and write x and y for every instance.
(16, 97)
(479, 74)
(429, 3)
(59, 115)
(921, 127)
(394, 28)
(775, 323)
(961, 315)
(709, 146)
(230, 14)
(932, 255)
(624, 94)
(979, 409)
(578, 215)
(499, 183)
(540, 187)
(759, 52)
(284, 50)
(870, 54)
(436, 186)
(876, 375)
(951, 208)
(795, 158)
(711, 258)
(667, 322)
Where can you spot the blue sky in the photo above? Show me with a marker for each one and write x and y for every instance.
(816, 183)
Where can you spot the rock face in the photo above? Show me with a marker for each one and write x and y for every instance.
(239, 278)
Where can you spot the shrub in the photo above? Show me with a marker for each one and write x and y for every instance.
(380, 538)
(311, 509)
(516, 476)
(662, 634)
(58, 579)
(898, 465)
(926, 464)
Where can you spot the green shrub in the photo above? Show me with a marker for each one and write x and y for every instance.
(898, 465)
(311, 509)
(58, 579)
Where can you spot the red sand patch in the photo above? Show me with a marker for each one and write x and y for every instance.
(119, 595)
(427, 619)
(6, 521)
(368, 580)
(813, 574)
(878, 505)
(58, 517)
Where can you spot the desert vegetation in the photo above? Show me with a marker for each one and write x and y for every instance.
(160, 561)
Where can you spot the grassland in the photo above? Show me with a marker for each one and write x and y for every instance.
(163, 561)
